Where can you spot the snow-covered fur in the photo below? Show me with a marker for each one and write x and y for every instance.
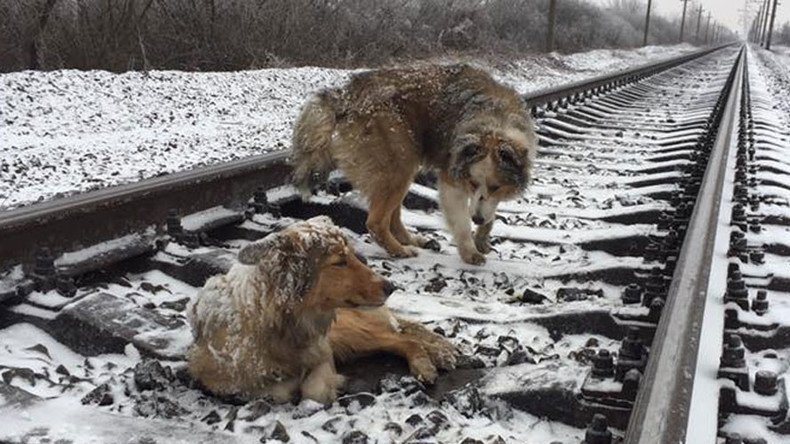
(263, 328)
(383, 126)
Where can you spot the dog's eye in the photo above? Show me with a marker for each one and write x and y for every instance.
(474, 184)
(493, 189)
(507, 155)
(471, 150)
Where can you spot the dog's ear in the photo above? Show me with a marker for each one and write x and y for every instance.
(255, 251)
(462, 158)
(288, 262)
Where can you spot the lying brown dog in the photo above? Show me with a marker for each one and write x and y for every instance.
(271, 324)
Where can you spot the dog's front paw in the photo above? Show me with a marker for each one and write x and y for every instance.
(473, 257)
(443, 355)
(423, 369)
(404, 251)
(425, 243)
(324, 393)
(483, 245)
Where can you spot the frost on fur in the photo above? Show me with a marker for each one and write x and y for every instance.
(289, 259)
(235, 316)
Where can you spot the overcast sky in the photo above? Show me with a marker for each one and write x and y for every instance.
(726, 12)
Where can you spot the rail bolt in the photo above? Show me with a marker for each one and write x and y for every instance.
(631, 355)
(737, 292)
(739, 249)
(275, 210)
(631, 383)
(173, 222)
(681, 211)
(598, 432)
(656, 306)
(664, 221)
(190, 240)
(654, 286)
(603, 364)
(760, 303)
(733, 270)
(260, 202)
(45, 263)
(671, 239)
(652, 252)
(66, 286)
(733, 354)
(632, 347)
(44, 273)
(632, 294)
(742, 193)
(765, 382)
(757, 256)
(738, 211)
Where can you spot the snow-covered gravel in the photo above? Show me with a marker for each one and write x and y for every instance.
(64, 132)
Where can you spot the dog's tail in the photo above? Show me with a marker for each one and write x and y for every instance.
(312, 138)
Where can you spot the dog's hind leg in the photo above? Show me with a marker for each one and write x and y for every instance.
(403, 235)
(283, 391)
(322, 383)
(384, 206)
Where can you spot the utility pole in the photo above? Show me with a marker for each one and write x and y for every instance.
(683, 20)
(758, 23)
(552, 19)
(764, 28)
(647, 21)
(771, 26)
(707, 28)
(699, 19)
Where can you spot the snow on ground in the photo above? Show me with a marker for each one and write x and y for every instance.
(63, 132)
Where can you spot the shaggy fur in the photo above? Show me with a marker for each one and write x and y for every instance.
(384, 125)
(270, 325)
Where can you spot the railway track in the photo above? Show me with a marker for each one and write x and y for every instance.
(642, 277)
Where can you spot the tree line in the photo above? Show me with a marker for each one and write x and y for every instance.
(219, 35)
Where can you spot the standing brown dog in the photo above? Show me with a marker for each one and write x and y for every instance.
(384, 125)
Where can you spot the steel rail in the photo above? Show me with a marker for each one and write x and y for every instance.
(604, 82)
(89, 218)
(661, 412)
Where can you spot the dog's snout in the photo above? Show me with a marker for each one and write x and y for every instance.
(388, 287)
(478, 219)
